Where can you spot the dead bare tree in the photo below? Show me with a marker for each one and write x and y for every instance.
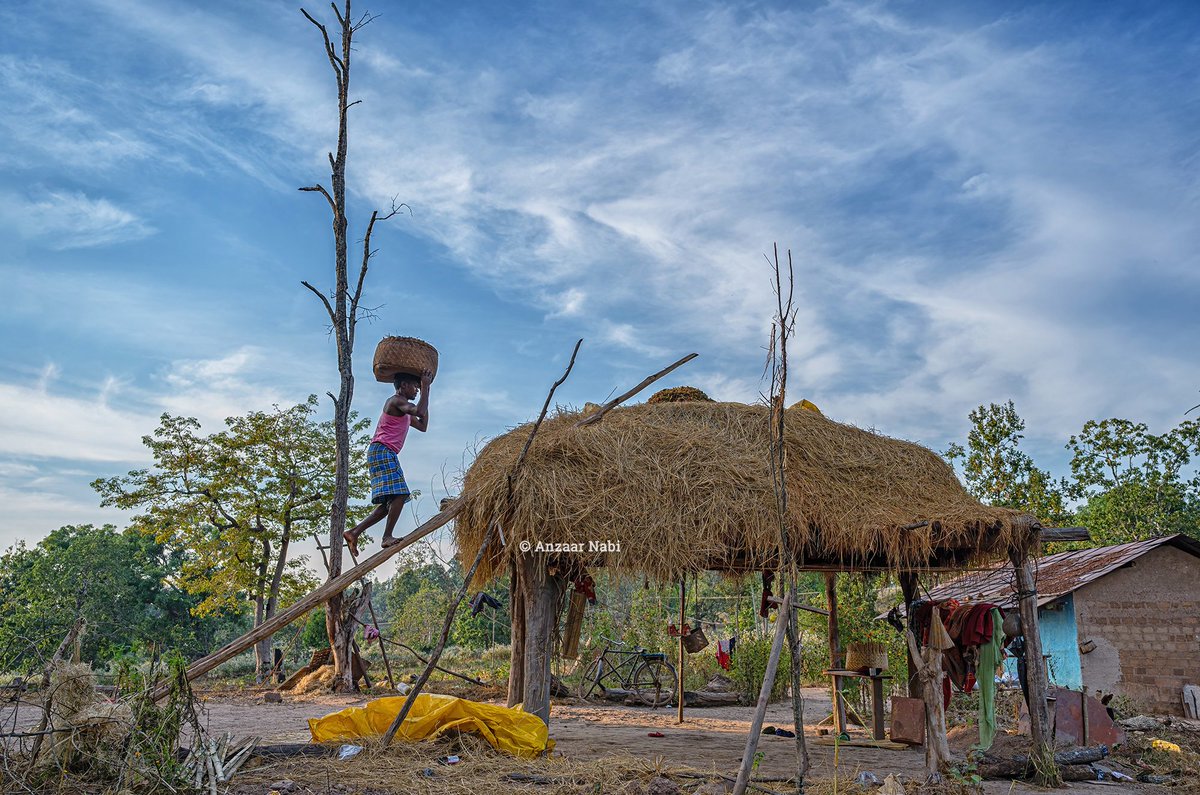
(344, 308)
(789, 551)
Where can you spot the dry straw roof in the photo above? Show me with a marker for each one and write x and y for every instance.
(686, 486)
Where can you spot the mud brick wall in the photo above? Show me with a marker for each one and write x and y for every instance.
(1144, 620)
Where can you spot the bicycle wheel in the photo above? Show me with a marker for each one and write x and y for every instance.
(654, 682)
(590, 682)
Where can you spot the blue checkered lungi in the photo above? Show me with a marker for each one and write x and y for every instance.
(387, 478)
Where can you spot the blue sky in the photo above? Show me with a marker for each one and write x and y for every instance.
(982, 204)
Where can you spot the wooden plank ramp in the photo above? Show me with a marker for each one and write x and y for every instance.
(320, 596)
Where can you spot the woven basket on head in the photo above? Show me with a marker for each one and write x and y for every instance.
(861, 655)
(403, 355)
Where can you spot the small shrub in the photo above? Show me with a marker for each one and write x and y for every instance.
(750, 666)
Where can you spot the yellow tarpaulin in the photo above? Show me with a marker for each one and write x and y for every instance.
(431, 716)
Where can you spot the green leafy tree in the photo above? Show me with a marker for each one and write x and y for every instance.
(999, 473)
(1134, 483)
(123, 583)
(233, 502)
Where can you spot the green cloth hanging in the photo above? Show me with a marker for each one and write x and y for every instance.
(990, 654)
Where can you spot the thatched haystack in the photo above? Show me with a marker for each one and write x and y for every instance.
(316, 681)
(85, 726)
(679, 394)
(686, 486)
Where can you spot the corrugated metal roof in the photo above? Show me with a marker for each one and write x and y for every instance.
(1058, 574)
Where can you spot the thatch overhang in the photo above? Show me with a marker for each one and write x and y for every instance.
(685, 487)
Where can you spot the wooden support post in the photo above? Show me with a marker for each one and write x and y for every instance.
(929, 673)
(541, 615)
(1035, 671)
(577, 604)
(908, 587)
(682, 650)
(835, 650)
(516, 658)
(764, 697)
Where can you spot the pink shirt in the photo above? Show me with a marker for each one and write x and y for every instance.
(391, 431)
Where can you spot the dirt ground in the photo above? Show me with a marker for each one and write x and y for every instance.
(709, 739)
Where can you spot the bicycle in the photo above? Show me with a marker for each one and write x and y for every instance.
(646, 674)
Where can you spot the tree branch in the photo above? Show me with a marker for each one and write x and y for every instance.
(324, 300)
(366, 259)
(339, 68)
(321, 190)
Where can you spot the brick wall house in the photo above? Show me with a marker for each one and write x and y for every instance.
(1140, 625)
(1119, 619)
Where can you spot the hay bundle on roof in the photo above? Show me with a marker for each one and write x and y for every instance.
(679, 394)
(686, 486)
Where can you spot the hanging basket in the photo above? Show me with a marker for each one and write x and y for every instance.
(403, 355)
(695, 640)
(862, 656)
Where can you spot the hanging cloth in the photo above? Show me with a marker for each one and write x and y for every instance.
(764, 607)
(724, 647)
(990, 654)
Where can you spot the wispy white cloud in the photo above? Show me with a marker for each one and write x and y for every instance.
(977, 211)
(71, 219)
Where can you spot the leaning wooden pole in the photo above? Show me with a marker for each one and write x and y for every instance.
(324, 593)
(764, 696)
(1042, 756)
(494, 531)
(436, 654)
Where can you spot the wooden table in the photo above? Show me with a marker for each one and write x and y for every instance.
(877, 728)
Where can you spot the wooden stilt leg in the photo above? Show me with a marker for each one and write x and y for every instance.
(516, 659)
(1035, 668)
(835, 651)
(541, 612)
(908, 587)
(682, 650)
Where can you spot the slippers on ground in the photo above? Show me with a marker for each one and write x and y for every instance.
(655, 734)
(784, 733)
(769, 730)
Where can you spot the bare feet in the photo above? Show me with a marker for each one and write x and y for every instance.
(388, 541)
(351, 541)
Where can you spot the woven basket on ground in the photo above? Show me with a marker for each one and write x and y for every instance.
(861, 655)
(403, 355)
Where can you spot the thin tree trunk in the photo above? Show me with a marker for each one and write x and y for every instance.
(273, 593)
(262, 649)
(342, 319)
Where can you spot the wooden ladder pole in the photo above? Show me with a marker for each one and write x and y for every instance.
(320, 596)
